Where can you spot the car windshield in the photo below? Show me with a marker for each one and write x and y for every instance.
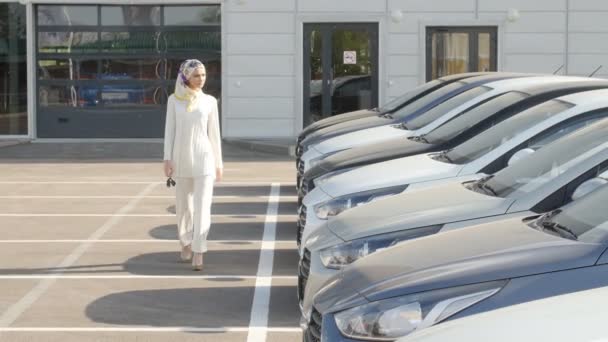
(470, 118)
(445, 107)
(427, 99)
(403, 99)
(548, 162)
(497, 135)
(586, 218)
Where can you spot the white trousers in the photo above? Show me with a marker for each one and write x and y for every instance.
(193, 209)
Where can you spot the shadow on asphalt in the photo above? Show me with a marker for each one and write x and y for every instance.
(237, 231)
(192, 307)
(235, 262)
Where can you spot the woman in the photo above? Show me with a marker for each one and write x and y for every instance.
(193, 156)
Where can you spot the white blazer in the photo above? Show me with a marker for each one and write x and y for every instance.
(192, 139)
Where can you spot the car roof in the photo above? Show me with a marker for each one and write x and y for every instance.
(591, 98)
(495, 76)
(535, 81)
(456, 77)
(551, 86)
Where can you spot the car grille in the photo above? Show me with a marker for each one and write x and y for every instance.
(305, 188)
(313, 333)
(303, 272)
(301, 223)
(299, 149)
(300, 171)
(310, 185)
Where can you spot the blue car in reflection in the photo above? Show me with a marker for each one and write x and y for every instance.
(112, 93)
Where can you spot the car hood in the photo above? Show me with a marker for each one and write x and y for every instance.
(493, 251)
(407, 170)
(363, 155)
(345, 127)
(361, 137)
(337, 119)
(442, 204)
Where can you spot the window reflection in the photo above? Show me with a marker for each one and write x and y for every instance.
(122, 63)
(54, 15)
(140, 69)
(130, 15)
(316, 76)
(193, 40)
(484, 63)
(450, 53)
(13, 70)
(67, 42)
(192, 15)
(68, 96)
(67, 69)
(125, 42)
(133, 94)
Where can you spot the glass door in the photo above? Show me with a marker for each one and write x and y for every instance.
(340, 69)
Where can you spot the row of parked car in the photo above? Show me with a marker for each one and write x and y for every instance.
(475, 202)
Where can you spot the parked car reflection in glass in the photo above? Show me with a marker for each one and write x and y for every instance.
(348, 93)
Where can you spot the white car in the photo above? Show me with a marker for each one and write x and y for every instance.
(425, 122)
(486, 153)
(579, 316)
(558, 173)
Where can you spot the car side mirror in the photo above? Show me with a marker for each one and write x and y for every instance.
(588, 187)
(520, 155)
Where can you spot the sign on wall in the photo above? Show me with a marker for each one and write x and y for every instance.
(350, 57)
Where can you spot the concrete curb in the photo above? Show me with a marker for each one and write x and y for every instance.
(274, 147)
(7, 143)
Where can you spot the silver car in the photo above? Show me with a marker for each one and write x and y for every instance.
(537, 183)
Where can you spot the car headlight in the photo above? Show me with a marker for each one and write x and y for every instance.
(393, 318)
(337, 205)
(346, 253)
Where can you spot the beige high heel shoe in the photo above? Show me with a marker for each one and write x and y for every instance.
(186, 253)
(197, 261)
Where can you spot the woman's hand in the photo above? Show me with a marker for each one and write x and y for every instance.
(168, 167)
(219, 172)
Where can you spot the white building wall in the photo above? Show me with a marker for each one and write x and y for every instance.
(262, 47)
(259, 74)
(587, 37)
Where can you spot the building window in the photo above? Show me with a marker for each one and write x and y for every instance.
(454, 50)
(13, 70)
(105, 71)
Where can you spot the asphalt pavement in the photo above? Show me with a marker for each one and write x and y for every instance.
(89, 249)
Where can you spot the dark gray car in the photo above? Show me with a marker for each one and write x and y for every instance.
(480, 268)
(454, 132)
(388, 108)
(405, 113)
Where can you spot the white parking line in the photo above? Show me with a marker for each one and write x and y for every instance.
(14, 311)
(218, 185)
(130, 241)
(131, 196)
(101, 215)
(141, 276)
(147, 329)
(261, 297)
(248, 216)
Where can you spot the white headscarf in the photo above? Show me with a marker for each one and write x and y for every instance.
(182, 91)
